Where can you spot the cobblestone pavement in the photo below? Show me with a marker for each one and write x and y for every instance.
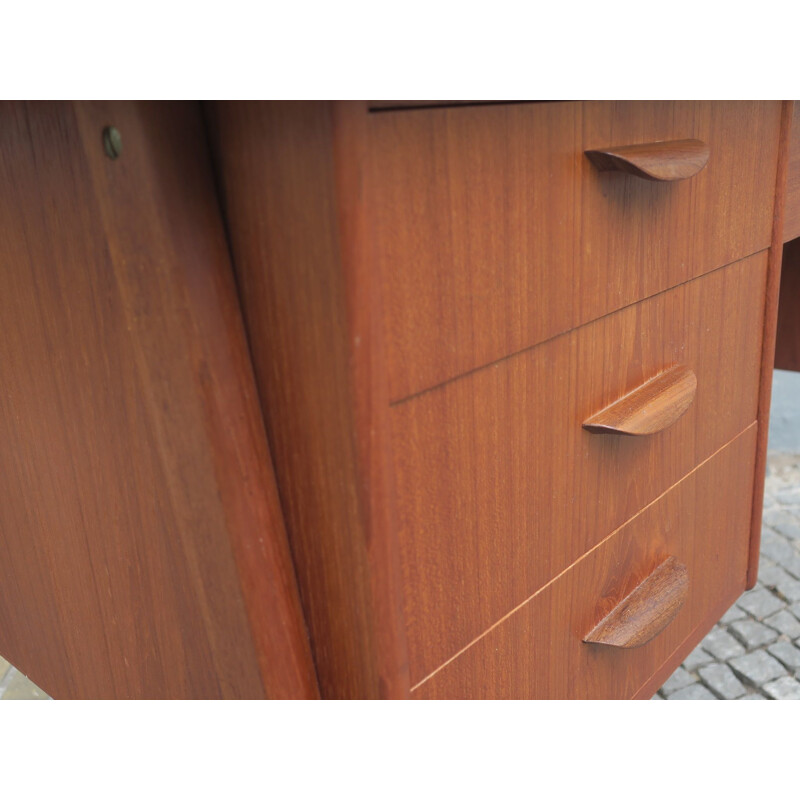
(753, 653)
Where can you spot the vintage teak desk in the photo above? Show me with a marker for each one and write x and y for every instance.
(358, 400)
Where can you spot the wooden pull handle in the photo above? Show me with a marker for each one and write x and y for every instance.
(646, 611)
(657, 161)
(649, 408)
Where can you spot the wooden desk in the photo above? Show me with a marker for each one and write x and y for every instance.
(443, 306)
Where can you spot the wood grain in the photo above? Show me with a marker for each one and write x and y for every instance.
(370, 395)
(143, 553)
(769, 328)
(646, 611)
(791, 225)
(537, 652)
(291, 183)
(378, 255)
(654, 161)
(480, 213)
(498, 486)
(787, 337)
(649, 408)
(410, 105)
(316, 195)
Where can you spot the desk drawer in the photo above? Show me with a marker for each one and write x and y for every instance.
(493, 230)
(538, 652)
(498, 486)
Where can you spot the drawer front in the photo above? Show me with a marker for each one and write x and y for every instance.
(538, 652)
(498, 486)
(494, 232)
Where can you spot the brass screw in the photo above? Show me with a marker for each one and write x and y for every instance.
(112, 142)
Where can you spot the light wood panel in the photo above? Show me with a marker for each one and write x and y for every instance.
(142, 552)
(499, 488)
(494, 231)
(537, 652)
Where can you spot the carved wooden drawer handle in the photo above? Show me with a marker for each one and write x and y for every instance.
(649, 408)
(646, 611)
(657, 161)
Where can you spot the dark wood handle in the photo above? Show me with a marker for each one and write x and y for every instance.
(646, 611)
(657, 161)
(649, 408)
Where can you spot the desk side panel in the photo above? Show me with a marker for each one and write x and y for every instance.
(135, 472)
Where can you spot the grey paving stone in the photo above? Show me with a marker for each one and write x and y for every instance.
(770, 574)
(732, 614)
(794, 608)
(721, 680)
(753, 634)
(722, 645)
(776, 547)
(789, 588)
(656, 696)
(784, 689)
(790, 529)
(786, 653)
(776, 515)
(786, 587)
(790, 496)
(774, 577)
(784, 623)
(753, 696)
(694, 692)
(792, 564)
(678, 680)
(758, 667)
(697, 658)
(759, 602)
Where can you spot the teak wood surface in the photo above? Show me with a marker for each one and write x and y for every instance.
(769, 328)
(493, 231)
(646, 611)
(791, 223)
(291, 179)
(674, 160)
(396, 269)
(435, 300)
(143, 553)
(538, 653)
(499, 487)
(649, 408)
